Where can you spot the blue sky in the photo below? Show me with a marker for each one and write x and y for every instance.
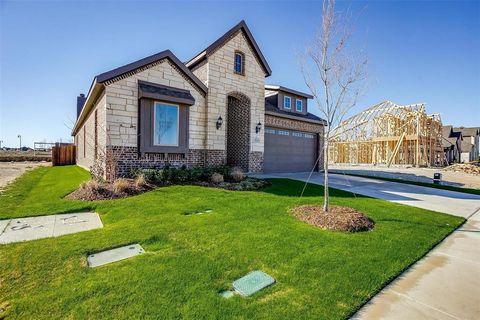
(50, 51)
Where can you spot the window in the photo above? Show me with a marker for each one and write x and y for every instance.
(268, 130)
(287, 102)
(165, 126)
(239, 63)
(299, 105)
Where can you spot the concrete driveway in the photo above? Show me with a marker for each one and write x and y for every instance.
(445, 284)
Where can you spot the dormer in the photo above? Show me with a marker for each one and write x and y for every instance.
(287, 100)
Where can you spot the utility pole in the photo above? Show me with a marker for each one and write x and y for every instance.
(20, 137)
(1, 141)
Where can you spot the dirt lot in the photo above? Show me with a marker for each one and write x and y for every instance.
(9, 171)
(457, 179)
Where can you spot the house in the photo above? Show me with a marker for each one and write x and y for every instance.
(213, 109)
(452, 142)
(470, 143)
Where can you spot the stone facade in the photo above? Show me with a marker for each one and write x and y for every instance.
(92, 136)
(111, 130)
(122, 105)
(222, 82)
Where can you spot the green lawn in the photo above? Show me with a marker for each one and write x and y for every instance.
(320, 274)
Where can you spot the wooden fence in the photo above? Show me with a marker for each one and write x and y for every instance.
(63, 154)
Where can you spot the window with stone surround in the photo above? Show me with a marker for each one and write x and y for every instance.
(239, 64)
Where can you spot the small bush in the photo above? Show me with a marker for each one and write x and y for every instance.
(140, 181)
(121, 185)
(237, 174)
(90, 185)
(216, 178)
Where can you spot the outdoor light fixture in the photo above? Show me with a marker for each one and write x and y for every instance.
(219, 122)
(258, 128)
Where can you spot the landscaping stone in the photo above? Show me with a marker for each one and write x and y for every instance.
(114, 255)
(33, 228)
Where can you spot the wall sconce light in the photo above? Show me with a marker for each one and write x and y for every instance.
(219, 122)
(258, 128)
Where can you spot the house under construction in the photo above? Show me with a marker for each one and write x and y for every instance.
(387, 134)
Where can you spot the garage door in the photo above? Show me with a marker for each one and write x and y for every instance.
(289, 151)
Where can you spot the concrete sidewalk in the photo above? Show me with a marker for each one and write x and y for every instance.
(445, 284)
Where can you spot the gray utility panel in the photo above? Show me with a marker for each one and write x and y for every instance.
(289, 150)
(114, 255)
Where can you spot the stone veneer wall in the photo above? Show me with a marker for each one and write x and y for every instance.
(86, 135)
(280, 122)
(222, 82)
(122, 104)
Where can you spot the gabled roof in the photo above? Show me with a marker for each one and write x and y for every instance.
(468, 132)
(284, 89)
(220, 41)
(109, 75)
(101, 80)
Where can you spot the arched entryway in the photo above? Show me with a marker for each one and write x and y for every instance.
(238, 130)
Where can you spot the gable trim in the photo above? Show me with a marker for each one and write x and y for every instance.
(241, 26)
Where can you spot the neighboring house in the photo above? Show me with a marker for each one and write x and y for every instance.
(470, 143)
(452, 142)
(214, 109)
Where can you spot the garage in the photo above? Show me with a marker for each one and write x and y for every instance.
(289, 150)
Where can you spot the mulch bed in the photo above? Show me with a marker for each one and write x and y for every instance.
(338, 218)
(106, 191)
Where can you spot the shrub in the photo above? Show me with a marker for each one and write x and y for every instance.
(120, 185)
(237, 174)
(216, 178)
(90, 185)
(140, 181)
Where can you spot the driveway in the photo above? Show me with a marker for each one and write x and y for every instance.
(445, 284)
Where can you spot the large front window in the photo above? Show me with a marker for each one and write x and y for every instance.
(165, 129)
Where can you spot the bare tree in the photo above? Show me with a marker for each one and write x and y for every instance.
(334, 73)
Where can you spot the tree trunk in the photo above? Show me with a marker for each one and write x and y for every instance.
(325, 166)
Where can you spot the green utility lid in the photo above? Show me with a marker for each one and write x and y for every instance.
(252, 282)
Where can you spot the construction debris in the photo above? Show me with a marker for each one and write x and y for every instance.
(387, 134)
(471, 168)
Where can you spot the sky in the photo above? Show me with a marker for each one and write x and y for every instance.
(50, 51)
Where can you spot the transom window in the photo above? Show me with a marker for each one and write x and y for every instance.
(165, 128)
(287, 102)
(299, 105)
(239, 63)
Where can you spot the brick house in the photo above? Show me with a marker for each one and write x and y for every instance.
(214, 109)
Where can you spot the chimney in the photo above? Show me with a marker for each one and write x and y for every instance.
(80, 102)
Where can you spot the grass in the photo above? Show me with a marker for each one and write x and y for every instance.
(190, 258)
(417, 183)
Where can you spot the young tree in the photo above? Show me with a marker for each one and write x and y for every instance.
(335, 74)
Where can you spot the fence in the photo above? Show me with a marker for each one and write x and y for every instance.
(63, 154)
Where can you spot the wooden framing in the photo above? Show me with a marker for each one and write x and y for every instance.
(388, 133)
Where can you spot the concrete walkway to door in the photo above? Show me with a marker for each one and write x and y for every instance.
(445, 284)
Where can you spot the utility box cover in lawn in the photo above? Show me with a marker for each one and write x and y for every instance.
(113, 255)
(252, 282)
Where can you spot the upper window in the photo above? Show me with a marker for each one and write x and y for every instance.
(299, 105)
(239, 63)
(165, 129)
(287, 102)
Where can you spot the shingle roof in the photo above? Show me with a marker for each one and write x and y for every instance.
(167, 54)
(468, 132)
(158, 91)
(220, 41)
(269, 107)
(280, 88)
